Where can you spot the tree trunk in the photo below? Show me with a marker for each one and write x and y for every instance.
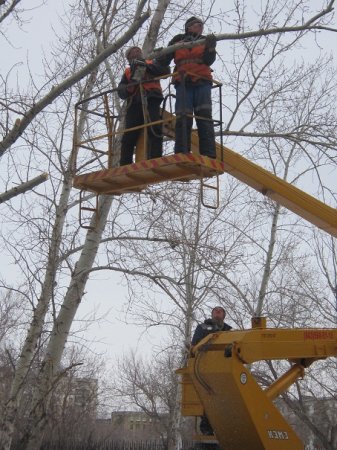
(36, 326)
(62, 327)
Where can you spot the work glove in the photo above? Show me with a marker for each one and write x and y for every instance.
(138, 68)
(210, 41)
(135, 63)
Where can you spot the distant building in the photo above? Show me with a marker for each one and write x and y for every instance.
(137, 425)
(83, 394)
(75, 396)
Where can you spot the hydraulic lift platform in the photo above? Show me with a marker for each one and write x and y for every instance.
(136, 177)
(191, 166)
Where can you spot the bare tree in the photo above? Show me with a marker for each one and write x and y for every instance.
(62, 323)
(74, 401)
(228, 255)
(151, 387)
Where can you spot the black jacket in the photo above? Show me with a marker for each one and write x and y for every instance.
(206, 328)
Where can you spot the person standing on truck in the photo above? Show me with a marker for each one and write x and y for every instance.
(216, 323)
(193, 83)
(143, 103)
(213, 325)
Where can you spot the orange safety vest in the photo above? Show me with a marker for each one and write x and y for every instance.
(149, 85)
(190, 60)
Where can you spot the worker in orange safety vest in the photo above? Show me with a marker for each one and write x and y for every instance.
(193, 84)
(143, 103)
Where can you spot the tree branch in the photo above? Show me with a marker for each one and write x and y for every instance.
(56, 91)
(9, 10)
(250, 34)
(24, 187)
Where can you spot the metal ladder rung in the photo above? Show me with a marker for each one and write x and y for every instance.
(87, 208)
(203, 186)
(210, 186)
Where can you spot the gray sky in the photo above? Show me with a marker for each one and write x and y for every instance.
(25, 44)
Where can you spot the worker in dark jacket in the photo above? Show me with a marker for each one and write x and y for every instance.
(193, 91)
(216, 323)
(143, 103)
(213, 325)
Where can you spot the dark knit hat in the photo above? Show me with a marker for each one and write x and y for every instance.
(219, 307)
(191, 21)
(129, 50)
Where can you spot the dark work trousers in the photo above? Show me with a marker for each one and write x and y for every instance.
(198, 100)
(205, 426)
(135, 117)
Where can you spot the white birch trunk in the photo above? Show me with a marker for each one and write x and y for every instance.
(73, 296)
(36, 326)
(270, 251)
(63, 323)
(267, 265)
(39, 314)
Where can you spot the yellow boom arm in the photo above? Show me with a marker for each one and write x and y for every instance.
(218, 382)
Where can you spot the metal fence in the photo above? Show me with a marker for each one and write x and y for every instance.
(121, 445)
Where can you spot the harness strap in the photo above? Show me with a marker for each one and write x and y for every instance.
(180, 62)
